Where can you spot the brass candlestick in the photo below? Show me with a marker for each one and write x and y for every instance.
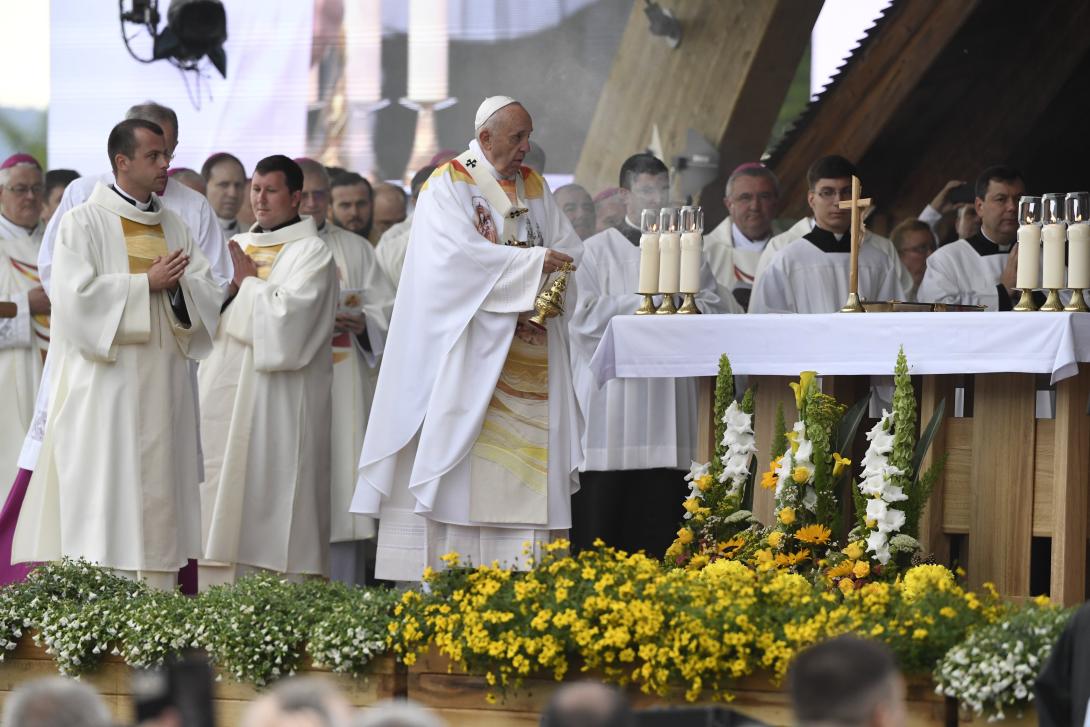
(1025, 300)
(1078, 302)
(550, 303)
(1052, 303)
(647, 307)
(688, 304)
(668, 306)
(853, 305)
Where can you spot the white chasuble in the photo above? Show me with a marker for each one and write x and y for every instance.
(811, 275)
(473, 444)
(266, 410)
(965, 272)
(24, 341)
(629, 424)
(364, 288)
(115, 479)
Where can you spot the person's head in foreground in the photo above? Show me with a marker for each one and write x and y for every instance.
(300, 702)
(847, 682)
(587, 704)
(55, 702)
(397, 713)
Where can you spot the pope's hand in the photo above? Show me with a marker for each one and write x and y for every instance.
(165, 272)
(245, 267)
(554, 261)
(354, 323)
(1010, 272)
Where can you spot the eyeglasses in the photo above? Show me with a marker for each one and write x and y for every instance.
(20, 190)
(831, 193)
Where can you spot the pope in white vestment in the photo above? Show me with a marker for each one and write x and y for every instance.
(265, 402)
(473, 444)
(114, 483)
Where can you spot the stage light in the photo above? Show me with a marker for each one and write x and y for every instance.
(663, 23)
(194, 29)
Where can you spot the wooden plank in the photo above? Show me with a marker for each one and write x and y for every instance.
(1001, 519)
(957, 486)
(935, 389)
(705, 422)
(726, 81)
(1043, 466)
(1071, 468)
(771, 390)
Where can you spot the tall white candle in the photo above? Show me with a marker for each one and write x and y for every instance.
(1078, 262)
(649, 263)
(1054, 237)
(692, 244)
(428, 41)
(1029, 257)
(669, 262)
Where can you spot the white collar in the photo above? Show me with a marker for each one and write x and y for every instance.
(142, 206)
(741, 242)
(12, 231)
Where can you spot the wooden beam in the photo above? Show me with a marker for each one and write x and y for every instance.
(1071, 479)
(931, 535)
(726, 80)
(856, 110)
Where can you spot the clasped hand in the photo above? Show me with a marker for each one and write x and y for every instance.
(165, 272)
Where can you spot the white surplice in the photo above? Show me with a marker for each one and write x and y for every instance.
(629, 424)
(391, 249)
(24, 340)
(966, 272)
(453, 327)
(801, 278)
(115, 481)
(355, 369)
(266, 409)
(734, 265)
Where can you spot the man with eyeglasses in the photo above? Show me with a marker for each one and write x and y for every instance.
(25, 337)
(811, 274)
(752, 198)
(359, 336)
(133, 301)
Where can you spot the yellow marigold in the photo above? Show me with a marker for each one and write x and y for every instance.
(800, 475)
(428, 574)
(775, 538)
(703, 483)
(768, 478)
(854, 550)
(846, 585)
(919, 634)
(861, 569)
(787, 515)
(684, 536)
(451, 558)
(923, 578)
(816, 534)
(947, 612)
(840, 464)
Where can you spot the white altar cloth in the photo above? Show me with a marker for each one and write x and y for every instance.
(843, 343)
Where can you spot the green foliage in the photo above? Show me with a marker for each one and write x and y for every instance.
(779, 442)
(904, 417)
(724, 395)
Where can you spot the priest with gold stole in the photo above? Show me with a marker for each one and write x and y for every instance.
(472, 445)
(133, 298)
(265, 397)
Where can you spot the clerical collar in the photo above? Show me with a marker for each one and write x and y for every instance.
(984, 246)
(13, 231)
(148, 206)
(630, 231)
(227, 225)
(281, 226)
(827, 241)
(741, 242)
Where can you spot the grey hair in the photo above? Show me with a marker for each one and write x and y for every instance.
(154, 112)
(5, 174)
(761, 172)
(55, 702)
(312, 166)
(397, 713)
(310, 694)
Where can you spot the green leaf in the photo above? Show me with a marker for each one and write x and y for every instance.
(849, 425)
(926, 438)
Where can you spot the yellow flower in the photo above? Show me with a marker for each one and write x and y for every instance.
(768, 479)
(451, 558)
(800, 474)
(698, 562)
(947, 612)
(730, 547)
(684, 536)
(854, 550)
(790, 559)
(840, 570)
(675, 550)
(764, 559)
(861, 569)
(1042, 600)
(840, 464)
(703, 483)
(793, 438)
(805, 379)
(814, 534)
(846, 585)
(691, 504)
(787, 515)
(428, 573)
(919, 634)
(775, 539)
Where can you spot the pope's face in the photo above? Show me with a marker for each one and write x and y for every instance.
(226, 189)
(825, 200)
(146, 172)
(649, 191)
(315, 197)
(352, 208)
(752, 205)
(21, 195)
(506, 142)
(273, 203)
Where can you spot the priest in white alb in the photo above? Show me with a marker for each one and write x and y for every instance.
(473, 443)
(811, 274)
(265, 394)
(133, 298)
(359, 336)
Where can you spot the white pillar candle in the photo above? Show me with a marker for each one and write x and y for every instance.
(649, 263)
(669, 262)
(1029, 257)
(692, 244)
(428, 41)
(1054, 237)
(1078, 262)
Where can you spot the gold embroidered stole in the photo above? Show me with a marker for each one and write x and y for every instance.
(264, 257)
(144, 243)
(39, 321)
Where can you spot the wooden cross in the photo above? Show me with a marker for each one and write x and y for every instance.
(857, 206)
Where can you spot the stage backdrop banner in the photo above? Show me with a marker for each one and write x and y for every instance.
(258, 110)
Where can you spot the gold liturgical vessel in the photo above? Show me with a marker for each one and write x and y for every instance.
(550, 302)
